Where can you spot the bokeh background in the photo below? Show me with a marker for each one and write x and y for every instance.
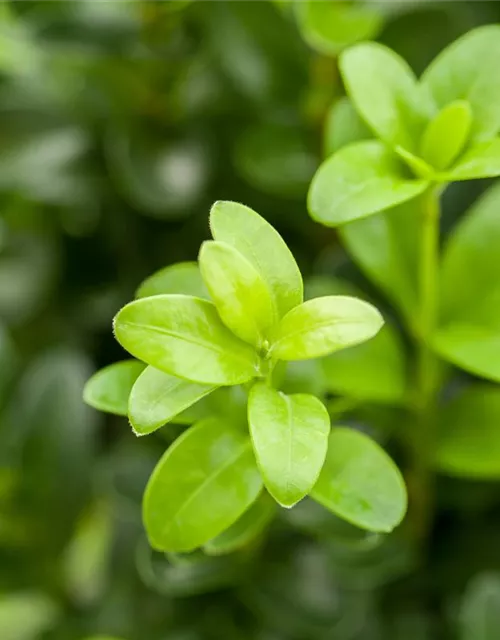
(120, 124)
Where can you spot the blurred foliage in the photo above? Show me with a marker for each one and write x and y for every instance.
(121, 123)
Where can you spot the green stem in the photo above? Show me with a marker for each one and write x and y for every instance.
(422, 480)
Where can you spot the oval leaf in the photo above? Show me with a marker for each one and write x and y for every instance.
(261, 244)
(185, 337)
(239, 292)
(468, 69)
(357, 181)
(343, 126)
(290, 437)
(324, 325)
(446, 134)
(360, 483)
(157, 397)
(469, 443)
(204, 482)
(386, 93)
(182, 277)
(245, 530)
(481, 160)
(109, 389)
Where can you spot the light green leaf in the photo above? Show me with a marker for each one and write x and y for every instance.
(469, 440)
(262, 245)
(446, 134)
(481, 160)
(26, 615)
(109, 389)
(329, 27)
(182, 277)
(468, 69)
(343, 126)
(245, 530)
(420, 168)
(87, 558)
(324, 325)
(240, 294)
(357, 181)
(290, 437)
(479, 617)
(204, 482)
(386, 93)
(360, 483)
(157, 398)
(375, 370)
(469, 332)
(185, 337)
(384, 247)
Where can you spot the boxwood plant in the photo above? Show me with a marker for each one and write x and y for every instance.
(394, 144)
(214, 344)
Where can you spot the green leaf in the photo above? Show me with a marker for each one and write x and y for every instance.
(182, 277)
(324, 325)
(446, 134)
(185, 337)
(386, 93)
(479, 616)
(343, 126)
(360, 483)
(384, 247)
(157, 398)
(375, 370)
(240, 294)
(203, 483)
(469, 331)
(108, 389)
(245, 530)
(469, 439)
(262, 245)
(329, 27)
(481, 160)
(26, 615)
(468, 69)
(357, 181)
(290, 438)
(420, 168)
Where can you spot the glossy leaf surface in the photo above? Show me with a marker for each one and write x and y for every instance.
(357, 181)
(204, 482)
(360, 483)
(182, 277)
(290, 438)
(324, 325)
(245, 530)
(185, 337)
(157, 398)
(109, 389)
(386, 93)
(240, 294)
(468, 69)
(262, 245)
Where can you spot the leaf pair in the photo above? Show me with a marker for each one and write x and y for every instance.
(436, 130)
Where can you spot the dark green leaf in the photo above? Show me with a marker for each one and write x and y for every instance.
(479, 616)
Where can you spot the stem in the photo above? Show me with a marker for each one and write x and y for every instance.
(423, 444)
